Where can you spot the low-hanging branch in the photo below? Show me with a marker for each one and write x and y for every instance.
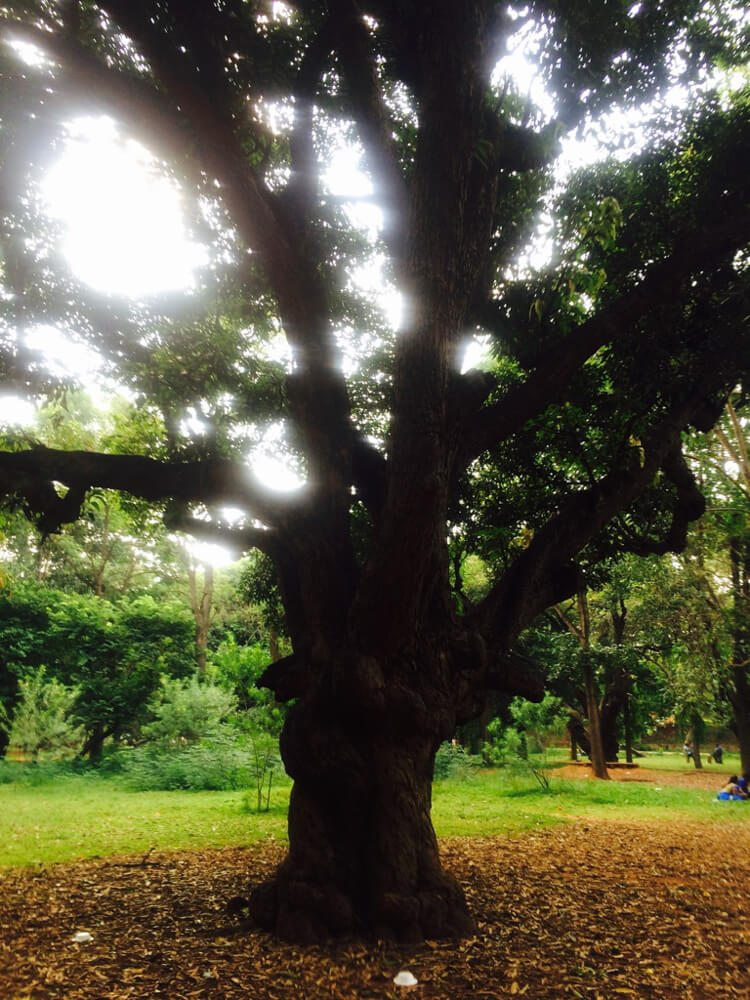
(213, 481)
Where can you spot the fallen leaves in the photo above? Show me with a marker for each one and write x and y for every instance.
(585, 910)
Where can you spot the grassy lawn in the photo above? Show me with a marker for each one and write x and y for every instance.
(85, 816)
(491, 802)
(88, 815)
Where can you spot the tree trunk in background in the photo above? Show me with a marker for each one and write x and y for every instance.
(742, 730)
(598, 760)
(695, 735)
(739, 696)
(573, 744)
(202, 608)
(94, 745)
(628, 731)
(274, 646)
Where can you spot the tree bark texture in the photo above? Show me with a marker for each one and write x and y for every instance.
(363, 855)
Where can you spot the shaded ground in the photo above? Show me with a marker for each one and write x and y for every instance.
(602, 910)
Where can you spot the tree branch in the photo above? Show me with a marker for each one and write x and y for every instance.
(690, 506)
(497, 422)
(31, 473)
(238, 540)
(354, 47)
(544, 572)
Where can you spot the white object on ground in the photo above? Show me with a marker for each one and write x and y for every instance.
(82, 937)
(405, 979)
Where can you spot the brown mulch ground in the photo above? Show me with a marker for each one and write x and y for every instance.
(709, 778)
(607, 910)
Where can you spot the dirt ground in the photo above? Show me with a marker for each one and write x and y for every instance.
(590, 909)
(708, 778)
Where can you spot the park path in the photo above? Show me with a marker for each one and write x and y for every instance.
(605, 909)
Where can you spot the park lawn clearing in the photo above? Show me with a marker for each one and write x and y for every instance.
(611, 908)
(77, 816)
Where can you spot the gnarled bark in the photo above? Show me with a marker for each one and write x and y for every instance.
(363, 855)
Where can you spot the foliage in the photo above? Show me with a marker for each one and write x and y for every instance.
(187, 710)
(114, 655)
(215, 763)
(565, 452)
(452, 762)
(265, 762)
(42, 719)
(238, 669)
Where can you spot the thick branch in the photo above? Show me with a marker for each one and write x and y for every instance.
(238, 540)
(30, 473)
(354, 47)
(517, 675)
(544, 573)
(689, 507)
(547, 382)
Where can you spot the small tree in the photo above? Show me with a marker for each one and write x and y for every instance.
(42, 719)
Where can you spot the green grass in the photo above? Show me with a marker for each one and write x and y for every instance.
(45, 819)
(78, 816)
(661, 760)
(493, 802)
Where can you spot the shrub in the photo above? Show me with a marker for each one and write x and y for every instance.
(452, 762)
(224, 761)
(238, 668)
(41, 720)
(186, 711)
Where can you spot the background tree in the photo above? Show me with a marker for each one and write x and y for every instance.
(634, 332)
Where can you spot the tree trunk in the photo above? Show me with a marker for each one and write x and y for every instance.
(363, 855)
(598, 763)
(202, 608)
(274, 646)
(628, 731)
(739, 550)
(598, 760)
(573, 744)
(94, 745)
(741, 721)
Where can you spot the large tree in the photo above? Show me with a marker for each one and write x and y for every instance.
(635, 331)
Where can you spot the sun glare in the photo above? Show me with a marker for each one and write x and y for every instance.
(124, 232)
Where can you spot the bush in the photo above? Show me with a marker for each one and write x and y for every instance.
(452, 762)
(225, 761)
(186, 711)
(237, 668)
(41, 720)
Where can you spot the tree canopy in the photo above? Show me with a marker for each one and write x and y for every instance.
(566, 450)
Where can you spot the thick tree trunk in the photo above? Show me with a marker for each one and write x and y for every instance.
(363, 855)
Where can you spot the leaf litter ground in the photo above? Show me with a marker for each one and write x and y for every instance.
(590, 909)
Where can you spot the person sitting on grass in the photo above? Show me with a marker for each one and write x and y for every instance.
(742, 785)
(731, 792)
(717, 755)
